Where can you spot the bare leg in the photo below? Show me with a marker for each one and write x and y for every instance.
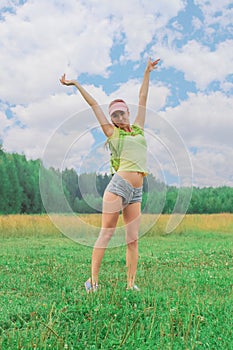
(111, 209)
(131, 215)
(98, 252)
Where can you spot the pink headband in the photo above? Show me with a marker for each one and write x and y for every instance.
(118, 106)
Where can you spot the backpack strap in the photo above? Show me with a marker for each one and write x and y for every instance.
(116, 152)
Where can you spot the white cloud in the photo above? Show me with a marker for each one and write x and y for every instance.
(227, 86)
(68, 150)
(177, 26)
(205, 123)
(9, 4)
(47, 114)
(213, 167)
(43, 39)
(204, 120)
(4, 124)
(216, 12)
(197, 24)
(132, 25)
(143, 23)
(38, 121)
(198, 63)
(31, 142)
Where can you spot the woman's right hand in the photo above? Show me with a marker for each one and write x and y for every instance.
(66, 82)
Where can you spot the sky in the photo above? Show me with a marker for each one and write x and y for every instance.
(105, 45)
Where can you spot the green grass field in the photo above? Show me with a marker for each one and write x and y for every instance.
(186, 281)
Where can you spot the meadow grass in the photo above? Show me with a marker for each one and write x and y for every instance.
(185, 302)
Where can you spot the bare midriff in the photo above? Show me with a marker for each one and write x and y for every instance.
(135, 178)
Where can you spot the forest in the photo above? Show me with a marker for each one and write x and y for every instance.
(20, 190)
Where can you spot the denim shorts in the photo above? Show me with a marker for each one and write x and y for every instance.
(123, 188)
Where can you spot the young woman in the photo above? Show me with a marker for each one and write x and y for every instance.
(124, 191)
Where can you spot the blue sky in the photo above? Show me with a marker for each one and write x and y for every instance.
(105, 45)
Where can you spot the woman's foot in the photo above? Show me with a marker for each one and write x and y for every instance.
(89, 287)
(134, 287)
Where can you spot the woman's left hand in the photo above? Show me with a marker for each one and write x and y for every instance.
(151, 65)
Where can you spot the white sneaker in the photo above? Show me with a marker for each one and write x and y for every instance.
(88, 286)
(135, 287)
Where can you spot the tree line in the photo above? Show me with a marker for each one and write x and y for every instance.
(20, 190)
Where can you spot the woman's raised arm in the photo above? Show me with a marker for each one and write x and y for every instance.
(105, 124)
(143, 93)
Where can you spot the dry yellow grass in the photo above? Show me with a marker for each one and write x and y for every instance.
(36, 225)
(222, 223)
(26, 225)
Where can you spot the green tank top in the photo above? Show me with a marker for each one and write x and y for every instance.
(128, 150)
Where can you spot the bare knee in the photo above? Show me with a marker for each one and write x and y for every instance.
(104, 237)
(133, 245)
(107, 233)
(132, 238)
